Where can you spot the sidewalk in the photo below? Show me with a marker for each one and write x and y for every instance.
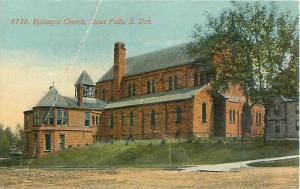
(235, 166)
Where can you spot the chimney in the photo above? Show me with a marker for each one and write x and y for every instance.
(119, 68)
(80, 94)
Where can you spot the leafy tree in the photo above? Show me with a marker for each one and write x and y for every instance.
(8, 139)
(253, 45)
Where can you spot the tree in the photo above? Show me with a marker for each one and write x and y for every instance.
(9, 140)
(253, 45)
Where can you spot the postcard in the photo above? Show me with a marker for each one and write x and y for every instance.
(149, 94)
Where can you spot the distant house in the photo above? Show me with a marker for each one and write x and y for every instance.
(283, 118)
(160, 94)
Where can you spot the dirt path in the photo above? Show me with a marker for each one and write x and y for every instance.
(283, 177)
(235, 166)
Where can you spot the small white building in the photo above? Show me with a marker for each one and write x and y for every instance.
(283, 118)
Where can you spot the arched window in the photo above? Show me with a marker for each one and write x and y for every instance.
(153, 118)
(131, 119)
(178, 114)
(203, 113)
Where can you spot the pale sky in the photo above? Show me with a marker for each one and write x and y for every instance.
(32, 57)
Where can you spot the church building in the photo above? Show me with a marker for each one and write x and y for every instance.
(161, 94)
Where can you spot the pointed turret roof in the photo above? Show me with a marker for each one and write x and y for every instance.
(84, 79)
(52, 98)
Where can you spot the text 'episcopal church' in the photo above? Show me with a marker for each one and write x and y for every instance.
(161, 94)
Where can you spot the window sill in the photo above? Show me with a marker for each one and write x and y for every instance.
(47, 150)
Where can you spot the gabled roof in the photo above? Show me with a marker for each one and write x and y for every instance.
(54, 99)
(287, 99)
(84, 79)
(157, 60)
(166, 96)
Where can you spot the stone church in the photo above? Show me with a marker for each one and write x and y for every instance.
(161, 94)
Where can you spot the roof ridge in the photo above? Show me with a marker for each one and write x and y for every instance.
(158, 50)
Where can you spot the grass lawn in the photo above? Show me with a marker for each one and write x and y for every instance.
(279, 163)
(152, 153)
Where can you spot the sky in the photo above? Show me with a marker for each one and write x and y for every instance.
(34, 56)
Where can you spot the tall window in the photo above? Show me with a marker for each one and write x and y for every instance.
(152, 117)
(297, 125)
(256, 118)
(175, 82)
(151, 86)
(87, 119)
(61, 141)
(103, 94)
(230, 115)
(36, 117)
(111, 121)
(65, 117)
(178, 114)
(97, 120)
(131, 89)
(131, 119)
(62, 117)
(36, 142)
(93, 119)
(196, 80)
(171, 83)
(48, 142)
(233, 115)
(277, 126)
(59, 117)
(26, 121)
(297, 108)
(51, 117)
(45, 118)
(148, 87)
(204, 113)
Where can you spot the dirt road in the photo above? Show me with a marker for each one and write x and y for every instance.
(283, 177)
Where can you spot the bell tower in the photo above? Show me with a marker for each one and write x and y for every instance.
(84, 87)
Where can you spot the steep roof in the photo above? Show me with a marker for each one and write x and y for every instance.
(166, 96)
(165, 58)
(54, 99)
(84, 79)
